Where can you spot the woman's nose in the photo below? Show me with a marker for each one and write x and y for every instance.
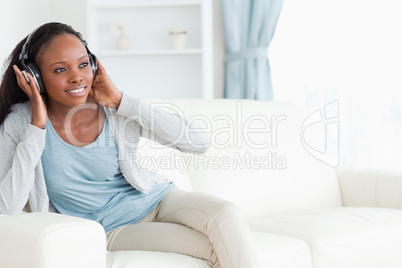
(76, 77)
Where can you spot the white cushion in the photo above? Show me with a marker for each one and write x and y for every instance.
(274, 251)
(50, 240)
(344, 236)
(282, 252)
(370, 189)
(153, 259)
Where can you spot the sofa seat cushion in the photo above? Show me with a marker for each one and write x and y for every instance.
(274, 251)
(152, 259)
(342, 237)
(281, 251)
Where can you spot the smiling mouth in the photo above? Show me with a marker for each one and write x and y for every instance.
(76, 90)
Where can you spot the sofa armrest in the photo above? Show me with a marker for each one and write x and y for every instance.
(373, 189)
(49, 240)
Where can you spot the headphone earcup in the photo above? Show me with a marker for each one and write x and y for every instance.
(93, 62)
(34, 71)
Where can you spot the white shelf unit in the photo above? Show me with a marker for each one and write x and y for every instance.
(144, 4)
(151, 68)
(160, 52)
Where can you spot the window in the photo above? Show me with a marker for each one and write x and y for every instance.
(350, 51)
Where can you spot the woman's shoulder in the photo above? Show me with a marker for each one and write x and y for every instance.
(21, 109)
(20, 114)
(22, 106)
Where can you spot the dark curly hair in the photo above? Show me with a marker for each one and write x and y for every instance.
(10, 93)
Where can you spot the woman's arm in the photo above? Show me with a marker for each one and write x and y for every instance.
(21, 146)
(20, 152)
(166, 128)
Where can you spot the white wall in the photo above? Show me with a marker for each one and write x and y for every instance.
(72, 12)
(17, 20)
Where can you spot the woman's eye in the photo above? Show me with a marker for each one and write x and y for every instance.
(60, 70)
(84, 64)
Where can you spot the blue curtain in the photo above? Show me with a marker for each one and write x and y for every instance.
(249, 26)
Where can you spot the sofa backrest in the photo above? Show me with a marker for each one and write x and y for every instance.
(256, 158)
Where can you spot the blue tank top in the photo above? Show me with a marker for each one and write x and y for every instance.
(87, 182)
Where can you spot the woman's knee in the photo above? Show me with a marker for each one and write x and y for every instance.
(197, 210)
(227, 210)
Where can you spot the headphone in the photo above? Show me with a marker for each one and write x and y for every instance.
(32, 69)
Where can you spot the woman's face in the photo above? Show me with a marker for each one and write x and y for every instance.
(66, 71)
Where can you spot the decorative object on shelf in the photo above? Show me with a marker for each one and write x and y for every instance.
(122, 40)
(178, 38)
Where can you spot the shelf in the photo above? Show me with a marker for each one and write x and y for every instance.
(162, 52)
(147, 5)
(151, 68)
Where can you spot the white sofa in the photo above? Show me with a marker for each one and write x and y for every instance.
(303, 213)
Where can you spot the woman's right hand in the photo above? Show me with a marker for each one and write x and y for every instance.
(38, 107)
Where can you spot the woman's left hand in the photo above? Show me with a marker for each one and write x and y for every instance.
(104, 91)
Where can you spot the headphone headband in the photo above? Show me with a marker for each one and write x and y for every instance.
(24, 52)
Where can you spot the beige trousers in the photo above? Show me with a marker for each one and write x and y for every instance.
(194, 224)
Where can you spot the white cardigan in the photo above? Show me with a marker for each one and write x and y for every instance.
(22, 144)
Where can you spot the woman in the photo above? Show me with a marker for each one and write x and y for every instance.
(68, 151)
